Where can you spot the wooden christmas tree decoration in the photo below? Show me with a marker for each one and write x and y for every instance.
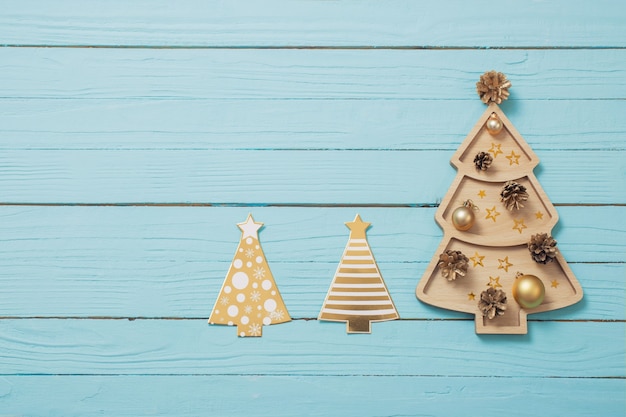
(497, 259)
(358, 295)
(249, 297)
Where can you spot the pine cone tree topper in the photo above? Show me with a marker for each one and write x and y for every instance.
(493, 87)
(542, 248)
(492, 303)
(512, 195)
(453, 263)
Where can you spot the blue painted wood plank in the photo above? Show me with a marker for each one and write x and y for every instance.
(299, 124)
(281, 176)
(312, 23)
(171, 261)
(309, 347)
(210, 234)
(223, 395)
(306, 73)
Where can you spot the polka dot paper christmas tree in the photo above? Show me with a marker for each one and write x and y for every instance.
(497, 259)
(358, 295)
(249, 298)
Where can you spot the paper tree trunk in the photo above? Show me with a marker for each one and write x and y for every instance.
(497, 243)
(358, 295)
(249, 298)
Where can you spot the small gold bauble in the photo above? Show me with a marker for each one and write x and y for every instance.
(528, 291)
(494, 124)
(463, 217)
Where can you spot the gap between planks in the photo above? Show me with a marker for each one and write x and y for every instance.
(312, 376)
(322, 47)
(292, 319)
(253, 205)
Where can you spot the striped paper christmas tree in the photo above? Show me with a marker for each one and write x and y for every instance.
(358, 295)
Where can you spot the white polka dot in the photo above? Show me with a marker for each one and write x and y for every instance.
(266, 285)
(233, 311)
(230, 323)
(269, 305)
(241, 298)
(240, 249)
(245, 320)
(255, 285)
(249, 240)
(238, 263)
(267, 321)
(248, 264)
(258, 307)
(256, 247)
(240, 280)
(273, 293)
(259, 259)
(227, 289)
(242, 334)
(217, 312)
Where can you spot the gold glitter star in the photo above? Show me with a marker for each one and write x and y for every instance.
(492, 214)
(539, 215)
(471, 296)
(505, 264)
(555, 283)
(494, 282)
(512, 157)
(477, 259)
(495, 149)
(519, 225)
(482, 194)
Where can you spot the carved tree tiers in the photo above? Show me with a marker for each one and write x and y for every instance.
(497, 242)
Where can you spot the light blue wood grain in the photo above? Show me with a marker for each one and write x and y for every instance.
(338, 23)
(280, 176)
(300, 124)
(316, 234)
(301, 347)
(171, 261)
(275, 396)
(246, 74)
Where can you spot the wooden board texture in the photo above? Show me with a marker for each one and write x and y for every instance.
(135, 135)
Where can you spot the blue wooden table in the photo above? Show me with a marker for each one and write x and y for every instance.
(135, 135)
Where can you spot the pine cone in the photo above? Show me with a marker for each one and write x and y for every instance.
(492, 303)
(493, 87)
(542, 248)
(512, 195)
(453, 263)
(483, 161)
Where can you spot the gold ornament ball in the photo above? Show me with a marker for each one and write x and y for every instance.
(528, 291)
(463, 218)
(494, 124)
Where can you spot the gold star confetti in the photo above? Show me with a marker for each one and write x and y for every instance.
(519, 225)
(505, 264)
(494, 282)
(495, 149)
(492, 214)
(539, 215)
(471, 296)
(513, 158)
(482, 194)
(555, 283)
(477, 259)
